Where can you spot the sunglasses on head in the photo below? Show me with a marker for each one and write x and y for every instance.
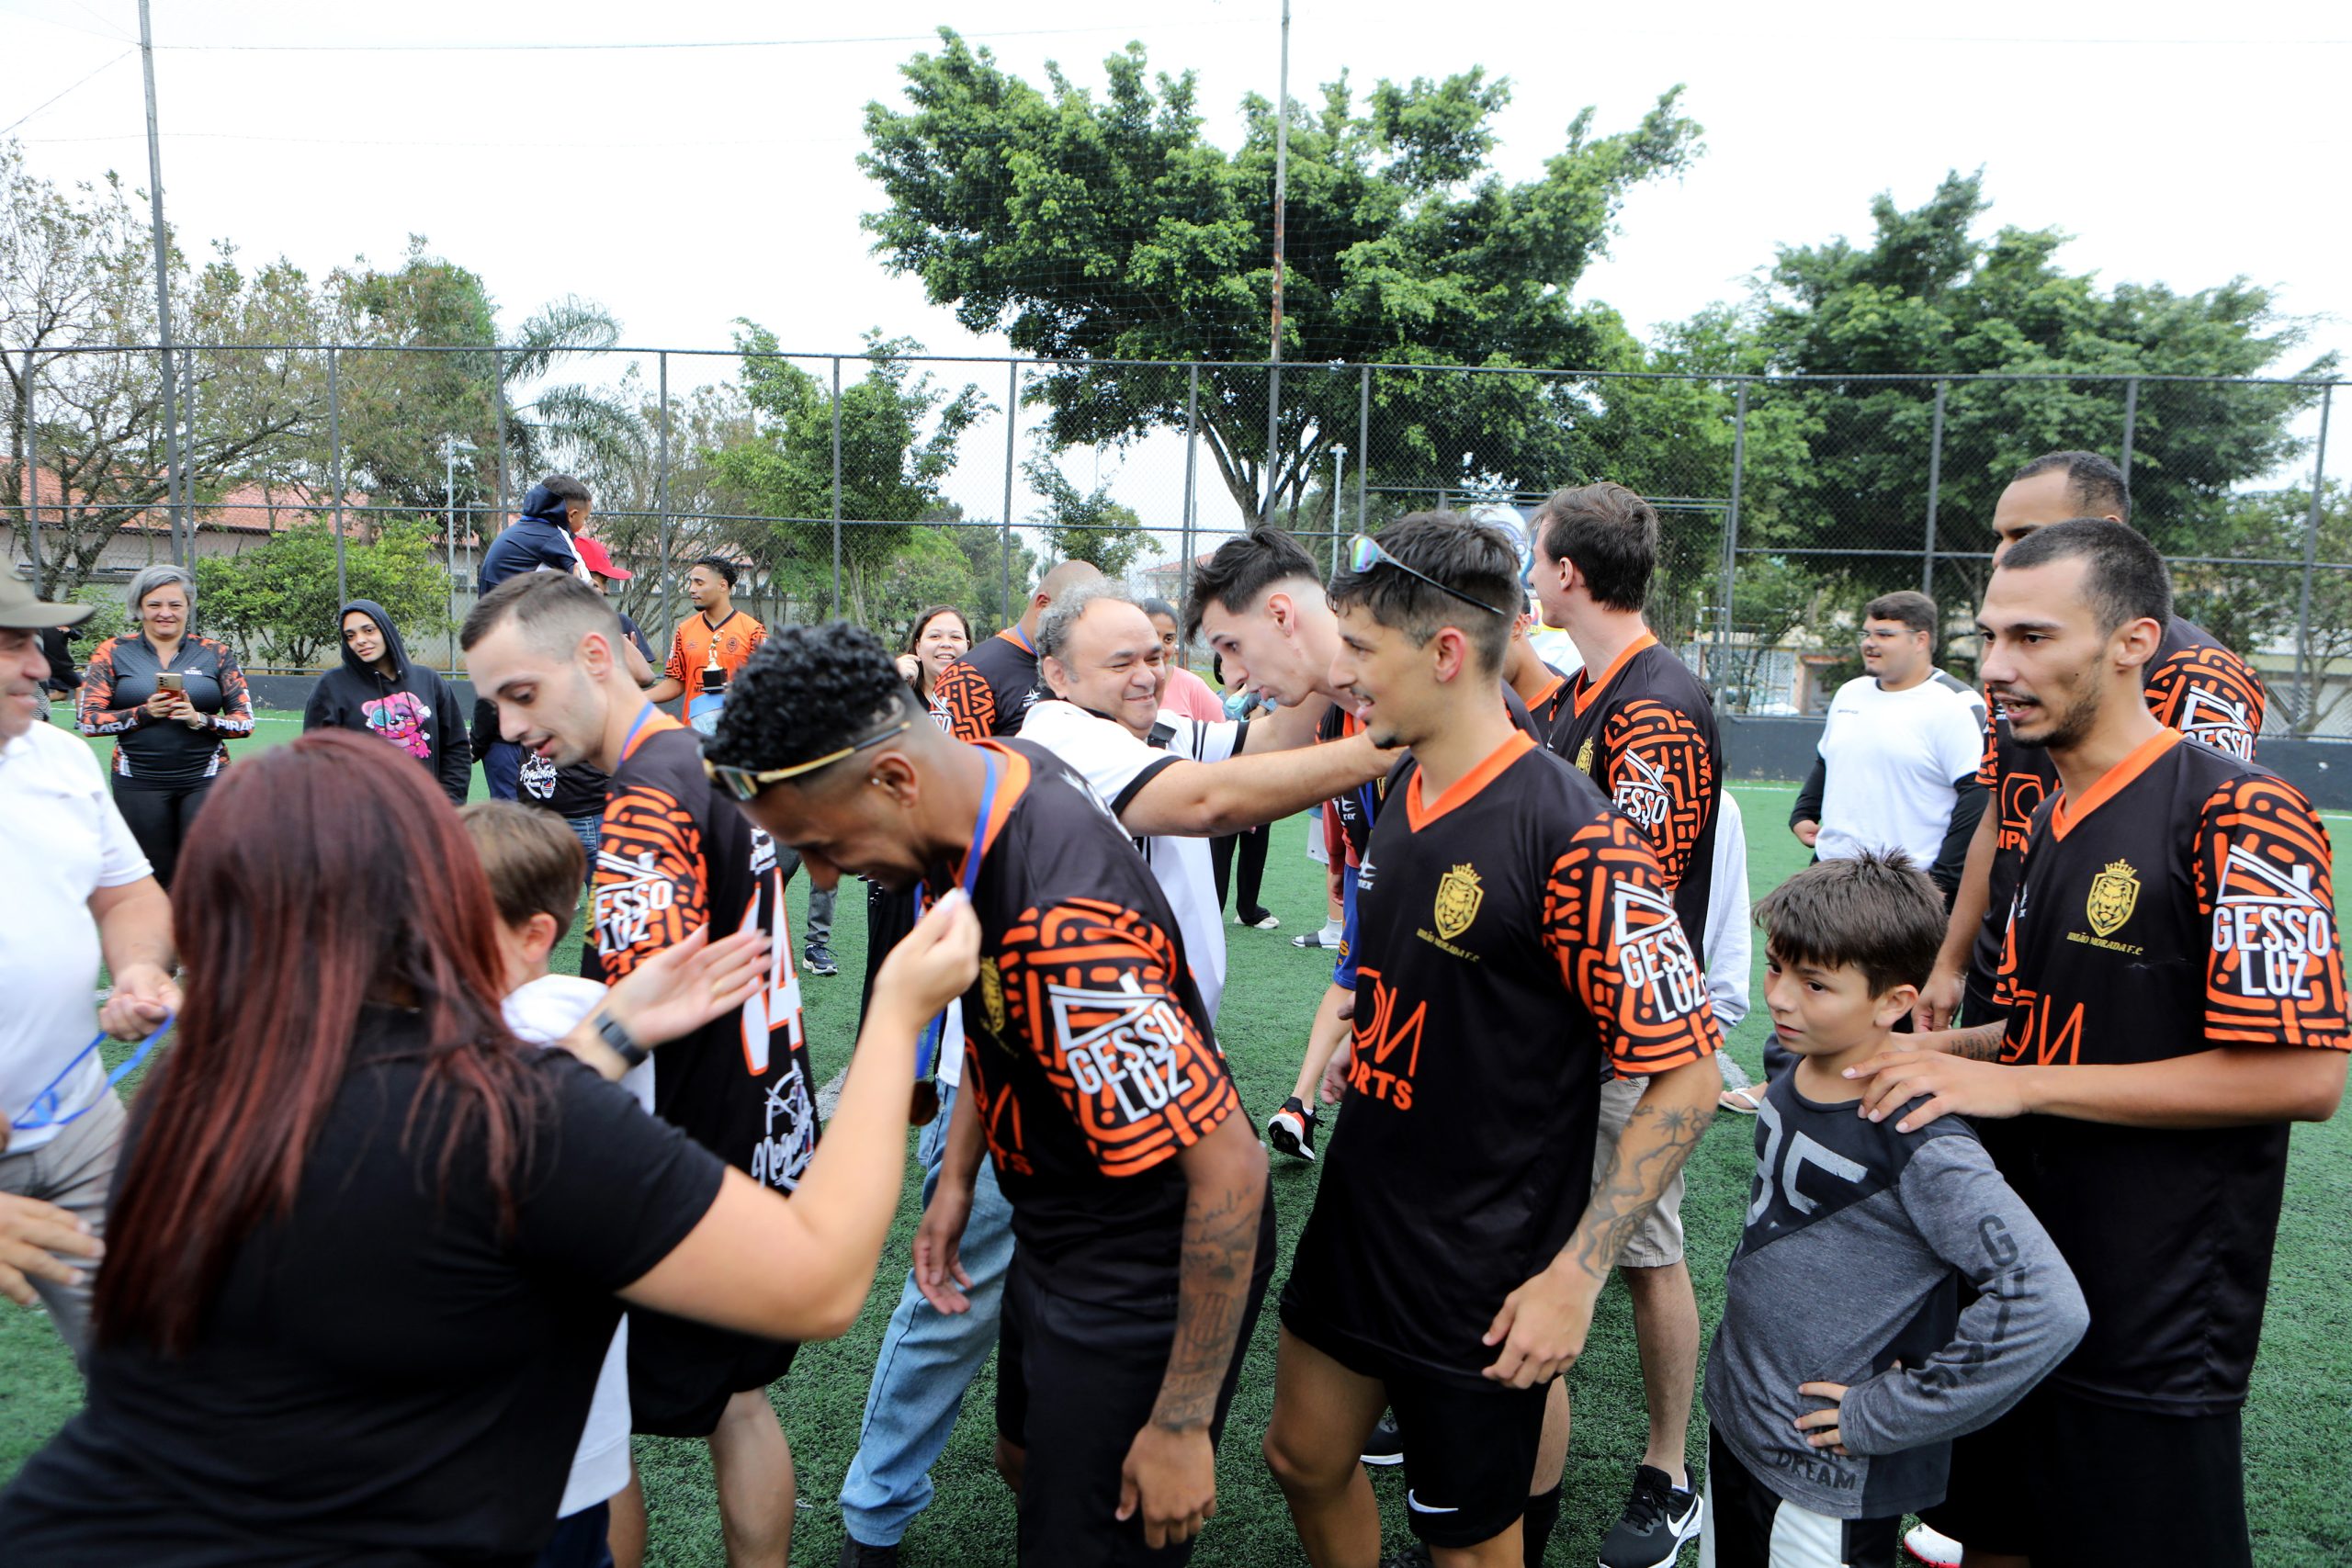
(745, 783)
(1364, 553)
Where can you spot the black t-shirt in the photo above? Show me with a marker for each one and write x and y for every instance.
(1087, 1051)
(2194, 684)
(1515, 938)
(1553, 703)
(2186, 902)
(989, 690)
(678, 854)
(575, 791)
(1644, 730)
(387, 1375)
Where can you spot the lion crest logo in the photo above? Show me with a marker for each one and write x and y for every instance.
(2115, 893)
(1584, 756)
(1458, 898)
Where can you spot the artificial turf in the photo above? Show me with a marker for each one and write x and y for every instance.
(2298, 1457)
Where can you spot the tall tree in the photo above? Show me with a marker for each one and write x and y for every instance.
(1094, 230)
(1085, 525)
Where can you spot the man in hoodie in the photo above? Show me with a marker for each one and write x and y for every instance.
(541, 539)
(380, 692)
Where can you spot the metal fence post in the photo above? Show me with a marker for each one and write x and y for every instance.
(1004, 537)
(837, 487)
(498, 370)
(1935, 488)
(1731, 530)
(335, 472)
(1273, 431)
(1363, 446)
(2131, 419)
(662, 491)
(2311, 556)
(1191, 479)
(32, 479)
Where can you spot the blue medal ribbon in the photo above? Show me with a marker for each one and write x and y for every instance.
(926, 1055)
(42, 1112)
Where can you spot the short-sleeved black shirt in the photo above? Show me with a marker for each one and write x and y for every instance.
(2184, 904)
(386, 1374)
(1087, 1050)
(1644, 730)
(1360, 805)
(1515, 939)
(2194, 684)
(989, 690)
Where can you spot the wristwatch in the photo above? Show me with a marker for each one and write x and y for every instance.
(610, 1030)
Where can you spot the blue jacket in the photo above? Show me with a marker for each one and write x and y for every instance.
(534, 541)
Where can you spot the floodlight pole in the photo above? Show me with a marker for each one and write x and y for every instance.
(182, 550)
(1282, 193)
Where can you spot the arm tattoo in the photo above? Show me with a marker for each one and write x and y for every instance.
(1981, 1044)
(1213, 1297)
(1654, 1145)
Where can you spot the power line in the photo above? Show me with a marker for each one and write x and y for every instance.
(661, 45)
(46, 101)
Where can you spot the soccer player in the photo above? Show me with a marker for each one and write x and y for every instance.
(2194, 684)
(989, 689)
(676, 856)
(1517, 941)
(1843, 1367)
(1643, 729)
(1171, 782)
(1904, 739)
(2173, 985)
(717, 636)
(1143, 1223)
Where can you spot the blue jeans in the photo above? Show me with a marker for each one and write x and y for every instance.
(928, 1359)
(502, 768)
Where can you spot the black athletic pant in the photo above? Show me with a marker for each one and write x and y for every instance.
(159, 819)
(1253, 842)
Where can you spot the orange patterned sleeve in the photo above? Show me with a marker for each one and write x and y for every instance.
(2274, 964)
(650, 892)
(1988, 767)
(2212, 697)
(1609, 920)
(1089, 987)
(1660, 775)
(963, 704)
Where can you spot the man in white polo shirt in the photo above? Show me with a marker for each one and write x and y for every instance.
(1897, 763)
(1172, 781)
(78, 890)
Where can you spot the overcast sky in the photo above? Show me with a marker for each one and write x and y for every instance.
(685, 186)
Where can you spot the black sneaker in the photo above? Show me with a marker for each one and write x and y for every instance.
(819, 960)
(855, 1554)
(1383, 1446)
(1659, 1517)
(1291, 1131)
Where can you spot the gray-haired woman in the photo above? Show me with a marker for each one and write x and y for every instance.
(170, 699)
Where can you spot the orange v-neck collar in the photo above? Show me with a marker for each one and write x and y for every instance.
(2112, 782)
(1586, 694)
(1417, 816)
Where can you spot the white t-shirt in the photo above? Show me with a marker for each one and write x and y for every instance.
(63, 839)
(1115, 765)
(1730, 928)
(1890, 759)
(541, 1012)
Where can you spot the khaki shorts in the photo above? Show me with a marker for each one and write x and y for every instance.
(1658, 1242)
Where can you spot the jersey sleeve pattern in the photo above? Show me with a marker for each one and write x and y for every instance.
(1090, 987)
(2211, 696)
(1610, 923)
(675, 669)
(650, 890)
(1988, 766)
(2274, 964)
(98, 716)
(1660, 775)
(963, 702)
(236, 715)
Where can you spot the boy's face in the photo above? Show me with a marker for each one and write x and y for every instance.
(1816, 1011)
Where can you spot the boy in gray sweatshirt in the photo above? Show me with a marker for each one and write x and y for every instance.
(1843, 1365)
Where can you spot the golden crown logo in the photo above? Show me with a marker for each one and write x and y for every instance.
(1458, 898)
(2115, 893)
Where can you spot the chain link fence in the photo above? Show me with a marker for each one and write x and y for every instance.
(874, 484)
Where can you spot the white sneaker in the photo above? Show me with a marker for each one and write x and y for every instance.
(1930, 1546)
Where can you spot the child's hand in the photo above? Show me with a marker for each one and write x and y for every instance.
(1821, 1427)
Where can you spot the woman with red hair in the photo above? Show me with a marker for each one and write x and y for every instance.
(367, 1250)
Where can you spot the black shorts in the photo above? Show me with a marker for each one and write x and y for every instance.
(1751, 1526)
(682, 1373)
(1469, 1452)
(2049, 1479)
(1075, 1382)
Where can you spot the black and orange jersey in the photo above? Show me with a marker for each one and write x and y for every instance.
(1644, 730)
(1087, 1053)
(2185, 903)
(124, 672)
(1360, 806)
(989, 690)
(677, 855)
(2194, 684)
(1516, 938)
(1551, 705)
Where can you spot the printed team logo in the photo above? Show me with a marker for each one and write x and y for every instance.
(790, 1138)
(649, 894)
(2211, 719)
(2270, 926)
(1584, 756)
(1641, 792)
(1458, 898)
(1652, 953)
(1121, 1046)
(1388, 1041)
(2209, 695)
(992, 997)
(2115, 893)
(535, 778)
(634, 895)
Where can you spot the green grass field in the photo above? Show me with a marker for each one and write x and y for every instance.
(2299, 1460)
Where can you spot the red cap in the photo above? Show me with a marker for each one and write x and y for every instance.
(592, 557)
